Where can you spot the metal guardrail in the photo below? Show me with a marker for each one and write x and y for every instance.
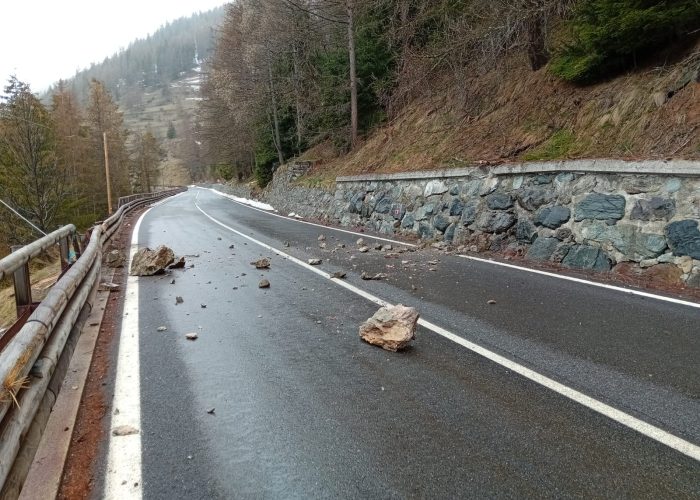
(34, 361)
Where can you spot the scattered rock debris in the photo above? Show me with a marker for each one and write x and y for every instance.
(124, 430)
(363, 249)
(339, 275)
(147, 262)
(203, 306)
(263, 263)
(191, 336)
(321, 237)
(264, 284)
(109, 287)
(172, 281)
(179, 300)
(162, 328)
(178, 264)
(391, 327)
(315, 262)
(378, 276)
(491, 301)
(231, 246)
(114, 258)
(360, 242)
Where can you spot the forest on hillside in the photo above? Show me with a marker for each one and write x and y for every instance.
(52, 147)
(154, 61)
(289, 75)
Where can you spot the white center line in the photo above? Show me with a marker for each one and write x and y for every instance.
(657, 434)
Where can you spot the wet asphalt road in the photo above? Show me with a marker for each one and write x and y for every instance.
(304, 409)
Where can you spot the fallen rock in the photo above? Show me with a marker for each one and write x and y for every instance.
(391, 327)
(191, 336)
(263, 263)
(314, 262)
(203, 306)
(178, 264)
(109, 287)
(363, 249)
(114, 258)
(321, 237)
(378, 276)
(264, 284)
(491, 301)
(338, 275)
(179, 300)
(147, 262)
(124, 430)
(162, 328)
(211, 411)
(360, 242)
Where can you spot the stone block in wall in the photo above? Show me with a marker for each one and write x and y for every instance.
(552, 217)
(542, 249)
(653, 209)
(491, 221)
(456, 207)
(684, 238)
(435, 187)
(533, 198)
(629, 240)
(441, 222)
(425, 211)
(499, 201)
(525, 232)
(425, 231)
(587, 257)
(600, 207)
(469, 212)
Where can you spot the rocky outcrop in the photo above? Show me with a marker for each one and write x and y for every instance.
(147, 262)
(391, 327)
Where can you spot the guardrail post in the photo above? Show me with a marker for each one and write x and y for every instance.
(23, 287)
(63, 246)
(77, 247)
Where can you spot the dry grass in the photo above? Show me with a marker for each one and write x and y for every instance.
(516, 114)
(43, 272)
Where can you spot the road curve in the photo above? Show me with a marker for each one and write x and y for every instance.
(302, 408)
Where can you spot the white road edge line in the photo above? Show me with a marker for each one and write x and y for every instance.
(585, 282)
(634, 423)
(362, 235)
(123, 478)
(487, 261)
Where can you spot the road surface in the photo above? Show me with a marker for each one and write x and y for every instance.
(279, 398)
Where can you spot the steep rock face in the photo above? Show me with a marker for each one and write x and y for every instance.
(391, 328)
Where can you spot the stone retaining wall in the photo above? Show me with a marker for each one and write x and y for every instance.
(635, 218)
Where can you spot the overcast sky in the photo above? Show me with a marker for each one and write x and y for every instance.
(42, 41)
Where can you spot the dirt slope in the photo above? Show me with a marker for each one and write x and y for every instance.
(513, 114)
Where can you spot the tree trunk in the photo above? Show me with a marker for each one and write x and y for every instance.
(536, 50)
(276, 123)
(353, 74)
(297, 98)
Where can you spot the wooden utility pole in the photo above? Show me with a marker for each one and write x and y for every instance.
(109, 187)
(353, 73)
